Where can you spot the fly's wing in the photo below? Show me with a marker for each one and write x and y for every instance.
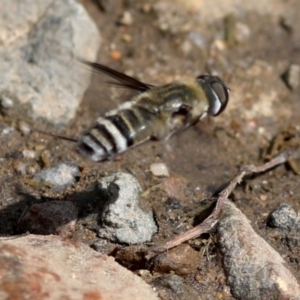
(122, 79)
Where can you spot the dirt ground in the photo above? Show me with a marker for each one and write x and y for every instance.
(161, 42)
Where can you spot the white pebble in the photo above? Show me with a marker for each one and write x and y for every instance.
(7, 130)
(159, 169)
(29, 153)
(24, 127)
(126, 19)
(6, 102)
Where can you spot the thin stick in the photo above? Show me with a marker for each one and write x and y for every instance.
(62, 137)
(209, 223)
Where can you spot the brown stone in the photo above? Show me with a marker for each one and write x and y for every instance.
(182, 260)
(46, 267)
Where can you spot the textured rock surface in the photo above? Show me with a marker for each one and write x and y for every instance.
(283, 217)
(39, 267)
(182, 260)
(59, 177)
(39, 42)
(123, 219)
(254, 269)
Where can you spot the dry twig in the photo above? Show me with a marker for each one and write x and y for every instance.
(209, 223)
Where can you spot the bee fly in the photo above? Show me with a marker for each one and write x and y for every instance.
(156, 113)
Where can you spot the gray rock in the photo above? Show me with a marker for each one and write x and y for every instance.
(123, 219)
(283, 217)
(171, 286)
(171, 281)
(39, 43)
(59, 177)
(254, 269)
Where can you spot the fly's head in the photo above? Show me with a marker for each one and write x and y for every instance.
(217, 93)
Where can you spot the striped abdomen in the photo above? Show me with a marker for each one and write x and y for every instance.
(116, 132)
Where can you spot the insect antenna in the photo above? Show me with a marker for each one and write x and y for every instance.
(62, 137)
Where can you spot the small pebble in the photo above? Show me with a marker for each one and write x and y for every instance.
(263, 197)
(292, 76)
(146, 8)
(171, 281)
(39, 147)
(7, 130)
(20, 167)
(218, 45)
(220, 295)
(59, 177)
(32, 168)
(100, 246)
(29, 153)
(6, 102)
(127, 38)
(171, 286)
(145, 274)
(164, 27)
(24, 127)
(283, 217)
(46, 158)
(181, 260)
(126, 19)
(115, 55)
(159, 170)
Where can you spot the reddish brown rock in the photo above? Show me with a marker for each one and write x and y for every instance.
(182, 260)
(39, 267)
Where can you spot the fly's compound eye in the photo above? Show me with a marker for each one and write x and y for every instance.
(216, 92)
